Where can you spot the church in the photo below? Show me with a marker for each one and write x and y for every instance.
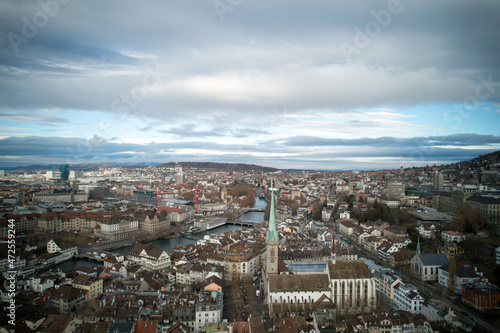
(345, 286)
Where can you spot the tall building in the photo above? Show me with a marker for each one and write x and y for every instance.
(438, 180)
(180, 178)
(64, 169)
(346, 286)
(395, 190)
(272, 239)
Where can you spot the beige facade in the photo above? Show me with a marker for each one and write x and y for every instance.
(488, 208)
(155, 224)
(120, 229)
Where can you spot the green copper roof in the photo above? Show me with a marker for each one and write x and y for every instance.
(272, 233)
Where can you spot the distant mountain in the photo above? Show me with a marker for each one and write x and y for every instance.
(55, 167)
(236, 167)
(142, 164)
(85, 167)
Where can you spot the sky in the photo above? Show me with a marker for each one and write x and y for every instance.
(330, 85)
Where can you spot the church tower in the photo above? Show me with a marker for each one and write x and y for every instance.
(272, 239)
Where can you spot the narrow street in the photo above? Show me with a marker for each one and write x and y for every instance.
(467, 314)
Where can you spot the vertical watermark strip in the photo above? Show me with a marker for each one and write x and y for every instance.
(11, 273)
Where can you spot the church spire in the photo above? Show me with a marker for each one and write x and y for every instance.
(272, 233)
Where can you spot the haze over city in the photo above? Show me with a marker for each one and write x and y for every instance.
(286, 84)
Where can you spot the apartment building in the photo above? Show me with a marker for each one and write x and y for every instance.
(151, 257)
(67, 248)
(452, 236)
(119, 227)
(463, 274)
(407, 298)
(92, 286)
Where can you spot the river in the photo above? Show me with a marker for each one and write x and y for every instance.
(170, 243)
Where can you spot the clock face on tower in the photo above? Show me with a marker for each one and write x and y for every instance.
(272, 261)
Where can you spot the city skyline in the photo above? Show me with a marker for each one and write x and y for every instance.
(330, 86)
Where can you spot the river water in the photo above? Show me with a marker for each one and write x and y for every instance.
(170, 243)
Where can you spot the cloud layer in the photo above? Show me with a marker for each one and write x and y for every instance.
(279, 82)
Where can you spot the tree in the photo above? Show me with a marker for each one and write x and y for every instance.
(248, 201)
(472, 248)
(467, 219)
(189, 196)
(414, 239)
(318, 212)
(452, 276)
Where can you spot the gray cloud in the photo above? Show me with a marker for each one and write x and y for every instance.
(32, 117)
(229, 78)
(423, 56)
(452, 140)
(75, 150)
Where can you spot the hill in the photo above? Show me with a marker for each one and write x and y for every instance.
(84, 167)
(484, 162)
(236, 167)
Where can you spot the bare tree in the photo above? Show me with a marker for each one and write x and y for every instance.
(452, 276)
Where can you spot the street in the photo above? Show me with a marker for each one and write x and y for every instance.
(428, 291)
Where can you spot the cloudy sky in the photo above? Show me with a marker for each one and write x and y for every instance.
(291, 84)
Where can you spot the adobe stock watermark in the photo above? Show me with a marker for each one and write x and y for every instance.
(121, 108)
(483, 90)
(131, 99)
(223, 6)
(30, 27)
(372, 29)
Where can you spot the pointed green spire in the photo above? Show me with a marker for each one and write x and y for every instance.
(272, 233)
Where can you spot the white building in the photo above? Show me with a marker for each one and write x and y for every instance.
(122, 228)
(208, 309)
(452, 236)
(463, 274)
(352, 286)
(425, 266)
(297, 288)
(385, 250)
(39, 284)
(427, 229)
(67, 248)
(345, 215)
(153, 258)
(406, 297)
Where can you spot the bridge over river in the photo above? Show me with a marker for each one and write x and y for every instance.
(249, 210)
(248, 223)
